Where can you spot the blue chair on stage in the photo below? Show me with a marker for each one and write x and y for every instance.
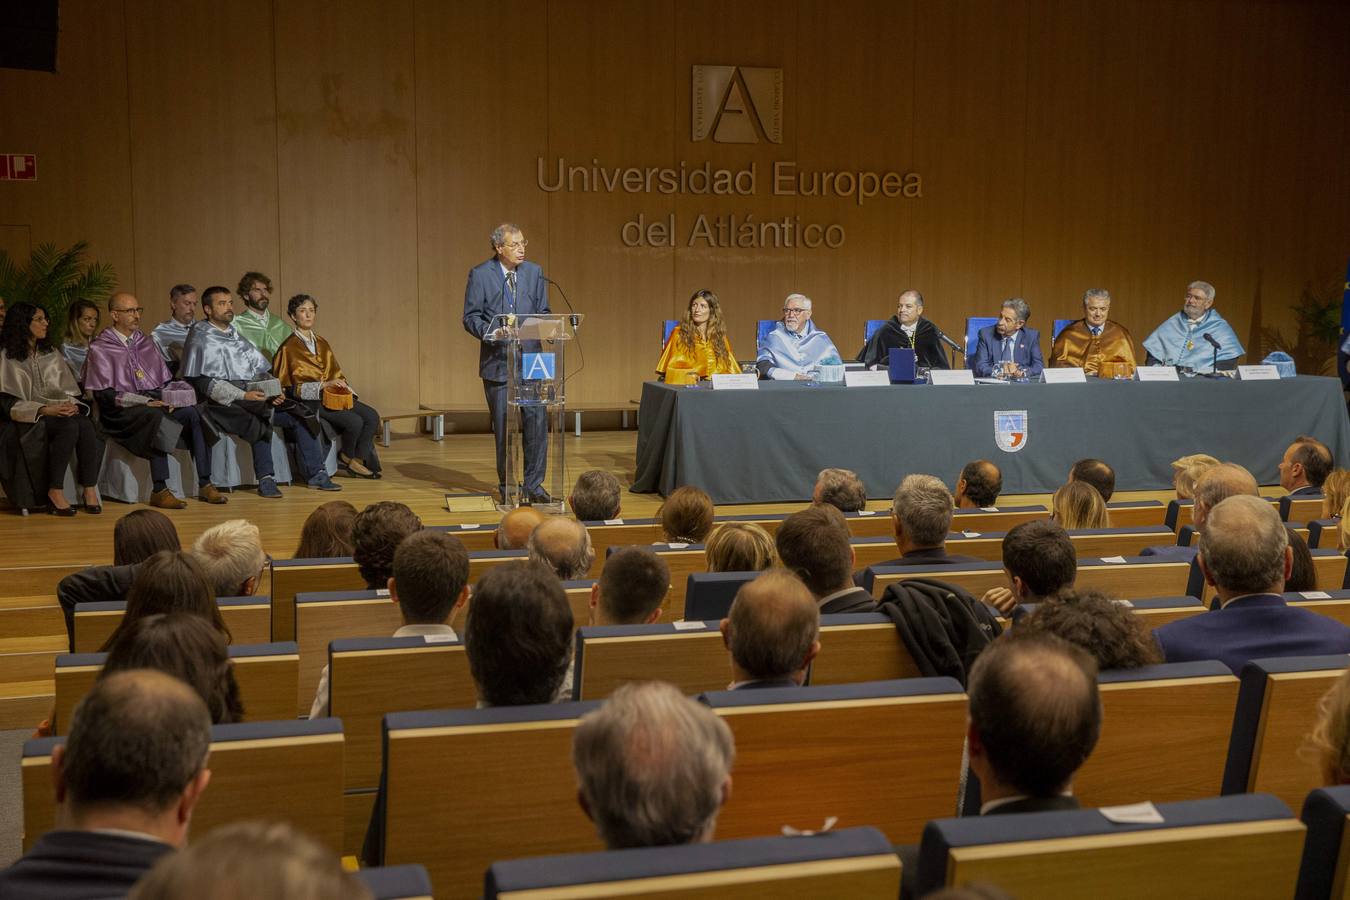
(762, 329)
(973, 326)
(667, 327)
(871, 328)
(1060, 325)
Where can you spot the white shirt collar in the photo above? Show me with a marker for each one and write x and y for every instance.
(1004, 801)
(122, 832)
(125, 339)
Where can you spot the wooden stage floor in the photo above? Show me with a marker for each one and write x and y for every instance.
(417, 471)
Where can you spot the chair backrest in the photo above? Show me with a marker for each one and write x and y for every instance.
(1301, 509)
(973, 326)
(474, 536)
(1130, 513)
(667, 326)
(35, 581)
(248, 618)
(266, 674)
(1179, 512)
(1276, 709)
(708, 595)
(1138, 576)
(293, 576)
(994, 518)
(1060, 325)
(1334, 605)
(1232, 847)
(886, 754)
(1328, 565)
(457, 826)
(1324, 532)
(762, 329)
(287, 771)
(326, 616)
(870, 327)
(369, 678)
(397, 882)
(851, 862)
(1326, 813)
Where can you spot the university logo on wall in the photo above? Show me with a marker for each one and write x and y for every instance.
(738, 104)
(1010, 429)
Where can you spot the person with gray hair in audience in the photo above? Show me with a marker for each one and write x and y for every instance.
(1008, 348)
(232, 556)
(653, 767)
(921, 516)
(840, 488)
(564, 545)
(1217, 484)
(772, 632)
(596, 497)
(127, 779)
(1245, 555)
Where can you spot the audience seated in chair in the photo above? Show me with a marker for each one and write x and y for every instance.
(632, 588)
(1244, 552)
(772, 632)
(1112, 635)
(921, 515)
(137, 536)
(127, 779)
(740, 547)
(1096, 473)
(814, 544)
(1328, 744)
(232, 557)
(979, 485)
(1077, 505)
(1305, 467)
(258, 860)
(513, 532)
(1335, 493)
(327, 532)
(596, 497)
(1216, 484)
(1039, 560)
(1186, 471)
(653, 767)
(377, 531)
(1302, 574)
(169, 582)
(687, 515)
(840, 488)
(430, 582)
(187, 647)
(562, 545)
(518, 637)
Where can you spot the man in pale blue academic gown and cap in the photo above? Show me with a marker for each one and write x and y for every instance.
(795, 346)
(1183, 341)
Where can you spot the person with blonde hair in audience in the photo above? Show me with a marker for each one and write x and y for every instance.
(1216, 484)
(1113, 635)
(170, 582)
(327, 532)
(232, 556)
(186, 646)
(653, 767)
(772, 632)
(740, 547)
(1078, 504)
(1335, 493)
(840, 488)
(1186, 471)
(257, 860)
(1328, 745)
(127, 780)
(513, 532)
(687, 515)
(377, 531)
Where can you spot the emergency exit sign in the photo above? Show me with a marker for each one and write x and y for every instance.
(18, 167)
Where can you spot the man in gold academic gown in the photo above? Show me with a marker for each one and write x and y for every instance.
(1094, 339)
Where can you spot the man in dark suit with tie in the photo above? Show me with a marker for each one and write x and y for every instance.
(1305, 467)
(772, 632)
(127, 780)
(507, 284)
(1245, 554)
(815, 545)
(1009, 346)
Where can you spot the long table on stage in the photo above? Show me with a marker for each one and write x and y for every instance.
(768, 445)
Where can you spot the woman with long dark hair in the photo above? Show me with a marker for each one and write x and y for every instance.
(699, 344)
(52, 426)
(186, 647)
(170, 582)
(142, 533)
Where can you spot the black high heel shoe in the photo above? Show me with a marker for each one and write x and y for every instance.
(63, 511)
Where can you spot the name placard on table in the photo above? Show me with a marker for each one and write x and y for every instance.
(1262, 372)
(741, 381)
(1156, 373)
(867, 379)
(951, 376)
(1072, 375)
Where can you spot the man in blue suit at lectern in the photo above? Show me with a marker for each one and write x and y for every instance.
(1009, 345)
(508, 284)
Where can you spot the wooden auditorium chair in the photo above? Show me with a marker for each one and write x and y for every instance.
(248, 618)
(396, 882)
(1325, 873)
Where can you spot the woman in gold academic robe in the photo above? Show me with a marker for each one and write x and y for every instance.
(309, 372)
(699, 344)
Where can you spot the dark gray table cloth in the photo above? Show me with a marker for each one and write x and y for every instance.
(767, 445)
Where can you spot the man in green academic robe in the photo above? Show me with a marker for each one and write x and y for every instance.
(262, 329)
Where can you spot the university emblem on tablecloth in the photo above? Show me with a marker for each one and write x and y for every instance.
(1010, 429)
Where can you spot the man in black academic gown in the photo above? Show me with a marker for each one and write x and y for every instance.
(909, 330)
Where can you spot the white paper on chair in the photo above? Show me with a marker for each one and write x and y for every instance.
(682, 625)
(1133, 814)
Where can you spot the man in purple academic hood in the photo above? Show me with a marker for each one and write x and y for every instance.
(127, 374)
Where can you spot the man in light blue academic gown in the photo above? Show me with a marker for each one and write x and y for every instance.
(1181, 340)
(795, 346)
(1009, 345)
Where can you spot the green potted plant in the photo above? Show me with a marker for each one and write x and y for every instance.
(54, 279)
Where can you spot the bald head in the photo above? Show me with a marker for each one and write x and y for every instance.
(563, 545)
(772, 629)
(979, 485)
(514, 530)
(1216, 485)
(1244, 548)
(125, 312)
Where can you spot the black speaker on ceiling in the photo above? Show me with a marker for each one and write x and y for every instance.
(28, 31)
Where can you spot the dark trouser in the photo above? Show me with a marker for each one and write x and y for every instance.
(67, 435)
(308, 448)
(356, 427)
(534, 436)
(191, 420)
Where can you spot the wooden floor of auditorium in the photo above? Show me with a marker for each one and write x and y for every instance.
(417, 471)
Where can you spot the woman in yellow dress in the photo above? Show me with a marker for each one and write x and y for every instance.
(699, 344)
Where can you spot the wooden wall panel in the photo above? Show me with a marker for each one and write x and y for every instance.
(204, 148)
(347, 165)
(482, 121)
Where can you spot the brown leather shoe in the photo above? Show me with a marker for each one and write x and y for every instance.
(209, 493)
(166, 500)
